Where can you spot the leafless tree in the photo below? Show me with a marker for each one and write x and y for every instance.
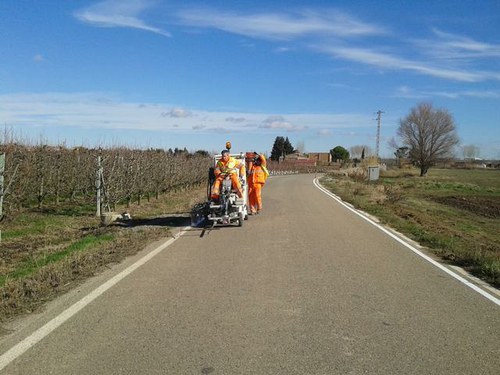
(42, 174)
(470, 151)
(357, 151)
(300, 146)
(430, 134)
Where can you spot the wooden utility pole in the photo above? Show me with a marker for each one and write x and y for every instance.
(379, 115)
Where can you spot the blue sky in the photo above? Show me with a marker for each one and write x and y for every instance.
(195, 74)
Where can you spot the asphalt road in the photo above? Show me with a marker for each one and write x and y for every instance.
(306, 287)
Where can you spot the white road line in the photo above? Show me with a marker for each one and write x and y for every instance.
(407, 245)
(42, 332)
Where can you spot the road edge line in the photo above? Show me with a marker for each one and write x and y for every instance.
(21, 347)
(407, 245)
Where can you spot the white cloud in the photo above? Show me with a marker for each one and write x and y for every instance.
(118, 13)
(38, 58)
(177, 113)
(456, 47)
(319, 24)
(98, 111)
(324, 132)
(387, 61)
(279, 122)
(280, 25)
(488, 94)
(408, 93)
(283, 49)
(235, 119)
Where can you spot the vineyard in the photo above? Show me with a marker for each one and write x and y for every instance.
(36, 176)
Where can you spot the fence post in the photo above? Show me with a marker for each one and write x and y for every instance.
(2, 169)
(98, 186)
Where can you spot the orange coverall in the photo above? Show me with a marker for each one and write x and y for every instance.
(227, 166)
(256, 179)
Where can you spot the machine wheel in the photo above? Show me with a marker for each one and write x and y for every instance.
(246, 213)
(240, 220)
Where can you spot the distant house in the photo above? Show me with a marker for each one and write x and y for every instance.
(321, 158)
(298, 159)
(295, 156)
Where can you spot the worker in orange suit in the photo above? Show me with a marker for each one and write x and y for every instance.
(227, 167)
(256, 177)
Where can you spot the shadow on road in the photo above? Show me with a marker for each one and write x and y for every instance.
(162, 221)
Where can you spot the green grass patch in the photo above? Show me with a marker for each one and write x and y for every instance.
(28, 267)
(29, 225)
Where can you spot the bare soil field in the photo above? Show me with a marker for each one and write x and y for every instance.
(482, 206)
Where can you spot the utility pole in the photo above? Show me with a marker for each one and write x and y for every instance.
(379, 115)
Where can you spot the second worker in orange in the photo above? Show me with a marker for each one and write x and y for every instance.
(256, 176)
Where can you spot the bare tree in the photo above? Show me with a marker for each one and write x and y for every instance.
(300, 147)
(360, 151)
(430, 134)
(470, 151)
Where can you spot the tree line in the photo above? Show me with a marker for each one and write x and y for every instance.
(425, 136)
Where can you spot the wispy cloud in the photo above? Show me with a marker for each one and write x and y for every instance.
(409, 93)
(451, 47)
(387, 61)
(281, 26)
(466, 94)
(119, 13)
(446, 56)
(235, 119)
(491, 94)
(38, 58)
(177, 113)
(327, 25)
(96, 110)
(406, 92)
(324, 132)
(278, 122)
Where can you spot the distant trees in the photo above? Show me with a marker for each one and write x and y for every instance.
(281, 148)
(429, 134)
(339, 153)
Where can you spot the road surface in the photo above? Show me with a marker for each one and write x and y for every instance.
(306, 287)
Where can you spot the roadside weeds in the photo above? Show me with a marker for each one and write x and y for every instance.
(454, 214)
(45, 254)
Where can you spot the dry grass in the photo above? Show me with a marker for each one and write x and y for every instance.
(44, 253)
(455, 213)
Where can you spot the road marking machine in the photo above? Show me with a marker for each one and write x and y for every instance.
(229, 208)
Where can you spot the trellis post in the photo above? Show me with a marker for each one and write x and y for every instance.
(2, 169)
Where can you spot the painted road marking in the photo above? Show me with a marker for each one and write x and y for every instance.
(42, 332)
(407, 245)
